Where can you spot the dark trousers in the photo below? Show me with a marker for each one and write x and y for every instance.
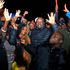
(40, 61)
(3, 59)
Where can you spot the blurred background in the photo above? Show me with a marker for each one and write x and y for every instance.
(36, 7)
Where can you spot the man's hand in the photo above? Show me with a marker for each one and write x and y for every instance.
(51, 19)
(65, 8)
(7, 15)
(1, 4)
(18, 13)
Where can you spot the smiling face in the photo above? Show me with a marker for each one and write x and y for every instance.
(40, 22)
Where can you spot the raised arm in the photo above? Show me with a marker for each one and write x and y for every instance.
(56, 10)
(52, 21)
(67, 11)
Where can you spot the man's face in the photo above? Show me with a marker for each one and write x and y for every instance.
(55, 39)
(40, 23)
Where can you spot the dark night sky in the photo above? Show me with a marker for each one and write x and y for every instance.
(35, 7)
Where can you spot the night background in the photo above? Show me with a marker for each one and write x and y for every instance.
(36, 7)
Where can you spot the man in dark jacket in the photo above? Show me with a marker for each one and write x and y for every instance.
(39, 38)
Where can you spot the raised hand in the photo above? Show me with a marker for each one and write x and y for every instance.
(25, 13)
(18, 13)
(65, 8)
(7, 15)
(51, 19)
(1, 4)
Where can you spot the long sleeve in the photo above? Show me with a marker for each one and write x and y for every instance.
(56, 16)
(12, 36)
(55, 27)
(2, 36)
(68, 14)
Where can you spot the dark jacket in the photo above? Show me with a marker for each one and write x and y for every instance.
(57, 59)
(38, 37)
(39, 48)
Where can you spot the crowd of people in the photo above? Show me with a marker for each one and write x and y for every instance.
(38, 44)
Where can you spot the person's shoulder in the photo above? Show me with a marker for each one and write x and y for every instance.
(62, 50)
